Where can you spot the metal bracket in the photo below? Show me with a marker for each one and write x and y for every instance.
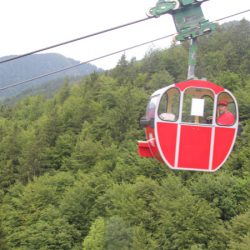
(189, 22)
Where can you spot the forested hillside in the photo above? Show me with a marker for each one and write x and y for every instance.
(29, 67)
(71, 178)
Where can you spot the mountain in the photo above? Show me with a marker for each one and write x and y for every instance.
(32, 66)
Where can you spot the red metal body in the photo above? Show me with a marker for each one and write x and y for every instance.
(185, 145)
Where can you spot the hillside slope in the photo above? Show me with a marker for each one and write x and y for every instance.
(35, 65)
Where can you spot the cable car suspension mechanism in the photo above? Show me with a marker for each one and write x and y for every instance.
(189, 22)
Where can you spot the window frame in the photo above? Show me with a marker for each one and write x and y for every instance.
(202, 96)
(233, 112)
(166, 95)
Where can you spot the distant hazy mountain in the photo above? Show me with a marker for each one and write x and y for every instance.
(35, 65)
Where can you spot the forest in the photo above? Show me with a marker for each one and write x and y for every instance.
(71, 178)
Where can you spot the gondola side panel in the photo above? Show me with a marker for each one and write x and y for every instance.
(167, 135)
(223, 142)
(194, 149)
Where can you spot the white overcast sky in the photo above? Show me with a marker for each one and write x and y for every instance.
(28, 25)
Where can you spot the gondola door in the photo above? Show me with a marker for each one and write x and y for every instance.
(226, 128)
(167, 124)
(196, 132)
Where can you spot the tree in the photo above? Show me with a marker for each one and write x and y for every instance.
(223, 191)
(239, 231)
(95, 238)
(31, 218)
(118, 235)
(79, 205)
(3, 245)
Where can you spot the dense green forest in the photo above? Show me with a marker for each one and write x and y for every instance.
(71, 178)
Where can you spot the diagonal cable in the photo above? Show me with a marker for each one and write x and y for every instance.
(107, 55)
(98, 33)
(74, 40)
(81, 63)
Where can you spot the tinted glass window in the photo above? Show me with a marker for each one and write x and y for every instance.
(198, 106)
(226, 110)
(169, 105)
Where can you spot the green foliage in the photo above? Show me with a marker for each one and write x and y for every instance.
(186, 220)
(79, 204)
(50, 231)
(117, 234)
(95, 238)
(224, 191)
(226, 50)
(3, 244)
(31, 218)
(244, 101)
(239, 161)
(240, 232)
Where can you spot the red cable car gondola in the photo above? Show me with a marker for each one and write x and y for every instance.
(191, 125)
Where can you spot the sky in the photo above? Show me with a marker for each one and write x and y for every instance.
(30, 25)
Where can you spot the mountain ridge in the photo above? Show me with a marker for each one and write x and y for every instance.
(36, 65)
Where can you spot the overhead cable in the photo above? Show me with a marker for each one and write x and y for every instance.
(99, 33)
(107, 55)
(236, 14)
(81, 63)
(74, 40)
